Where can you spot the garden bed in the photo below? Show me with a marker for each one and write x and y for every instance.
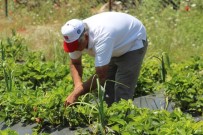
(152, 102)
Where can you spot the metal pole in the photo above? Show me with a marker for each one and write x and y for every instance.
(110, 5)
(6, 8)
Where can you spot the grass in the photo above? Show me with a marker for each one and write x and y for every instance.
(176, 32)
(178, 35)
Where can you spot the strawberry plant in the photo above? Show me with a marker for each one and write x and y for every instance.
(153, 74)
(148, 78)
(8, 132)
(126, 118)
(185, 85)
(40, 74)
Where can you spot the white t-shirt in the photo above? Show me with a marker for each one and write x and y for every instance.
(112, 34)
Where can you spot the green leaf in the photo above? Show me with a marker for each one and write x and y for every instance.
(117, 120)
(116, 128)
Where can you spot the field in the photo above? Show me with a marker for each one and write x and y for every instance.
(35, 77)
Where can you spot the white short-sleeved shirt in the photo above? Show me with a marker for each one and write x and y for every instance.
(112, 34)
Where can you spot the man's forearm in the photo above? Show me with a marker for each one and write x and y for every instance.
(82, 88)
(89, 85)
(76, 73)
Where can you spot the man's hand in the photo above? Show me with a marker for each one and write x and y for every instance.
(70, 99)
(73, 97)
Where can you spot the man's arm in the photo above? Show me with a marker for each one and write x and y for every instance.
(76, 71)
(81, 88)
(91, 84)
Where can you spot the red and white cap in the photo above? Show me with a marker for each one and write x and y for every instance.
(71, 32)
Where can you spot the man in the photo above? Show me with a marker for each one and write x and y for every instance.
(118, 43)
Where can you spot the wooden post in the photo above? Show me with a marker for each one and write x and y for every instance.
(110, 5)
(6, 8)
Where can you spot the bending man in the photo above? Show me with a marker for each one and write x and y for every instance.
(118, 43)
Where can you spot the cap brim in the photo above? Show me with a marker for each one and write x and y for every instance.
(70, 47)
